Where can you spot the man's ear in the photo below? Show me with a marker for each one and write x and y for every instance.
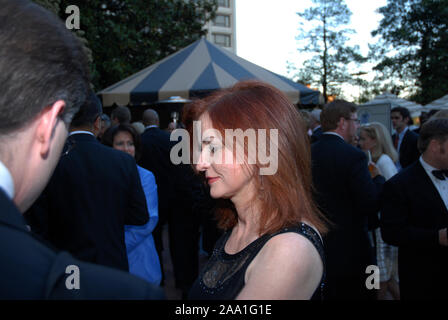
(97, 125)
(341, 122)
(46, 126)
(433, 146)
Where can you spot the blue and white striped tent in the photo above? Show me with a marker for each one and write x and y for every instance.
(197, 70)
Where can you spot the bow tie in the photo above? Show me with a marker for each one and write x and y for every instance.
(440, 174)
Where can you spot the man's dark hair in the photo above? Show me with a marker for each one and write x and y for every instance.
(404, 112)
(89, 111)
(122, 114)
(433, 129)
(41, 62)
(334, 111)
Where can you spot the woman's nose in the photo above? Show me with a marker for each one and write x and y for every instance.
(203, 162)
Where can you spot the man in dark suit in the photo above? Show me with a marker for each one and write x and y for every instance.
(107, 196)
(178, 188)
(316, 128)
(405, 140)
(415, 217)
(347, 195)
(44, 81)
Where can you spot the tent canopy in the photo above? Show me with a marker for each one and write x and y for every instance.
(197, 70)
(438, 104)
(394, 101)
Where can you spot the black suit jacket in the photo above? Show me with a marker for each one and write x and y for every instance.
(412, 214)
(94, 192)
(408, 149)
(317, 133)
(30, 269)
(347, 195)
(156, 147)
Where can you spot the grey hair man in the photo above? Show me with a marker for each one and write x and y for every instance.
(415, 216)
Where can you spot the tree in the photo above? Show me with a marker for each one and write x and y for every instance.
(51, 5)
(326, 41)
(413, 47)
(124, 36)
(55, 7)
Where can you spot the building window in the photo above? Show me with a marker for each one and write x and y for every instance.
(222, 21)
(224, 3)
(222, 40)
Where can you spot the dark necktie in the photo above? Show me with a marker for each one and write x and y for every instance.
(440, 174)
(396, 142)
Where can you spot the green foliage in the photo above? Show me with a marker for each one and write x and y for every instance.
(52, 5)
(413, 47)
(325, 39)
(125, 36)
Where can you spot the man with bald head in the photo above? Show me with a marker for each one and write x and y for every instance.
(150, 118)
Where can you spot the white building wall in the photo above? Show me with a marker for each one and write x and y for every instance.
(222, 30)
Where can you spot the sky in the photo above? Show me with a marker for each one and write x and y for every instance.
(266, 31)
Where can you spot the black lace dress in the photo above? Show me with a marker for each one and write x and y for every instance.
(223, 276)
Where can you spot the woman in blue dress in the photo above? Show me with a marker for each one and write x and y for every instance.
(142, 255)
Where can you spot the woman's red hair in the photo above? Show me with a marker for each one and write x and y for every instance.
(286, 196)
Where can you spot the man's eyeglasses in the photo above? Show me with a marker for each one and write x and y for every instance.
(355, 120)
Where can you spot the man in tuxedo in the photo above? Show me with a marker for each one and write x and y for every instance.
(347, 195)
(178, 190)
(414, 217)
(106, 195)
(44, 81)
(405, 140)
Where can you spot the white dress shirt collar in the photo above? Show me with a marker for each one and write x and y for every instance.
(441, 185)
(80, 131)
(6, 181)
(428, 168)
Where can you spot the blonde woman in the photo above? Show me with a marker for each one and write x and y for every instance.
(374, 137)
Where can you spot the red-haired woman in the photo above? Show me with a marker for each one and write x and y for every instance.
(272, 247)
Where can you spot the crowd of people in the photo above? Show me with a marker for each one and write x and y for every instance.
(386, 197)
(85, 198)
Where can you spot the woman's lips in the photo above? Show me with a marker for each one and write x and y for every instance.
(211, 180)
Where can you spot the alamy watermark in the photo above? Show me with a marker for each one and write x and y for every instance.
(73, 21)
(234, 140)
(73, 280)
(373, 280)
